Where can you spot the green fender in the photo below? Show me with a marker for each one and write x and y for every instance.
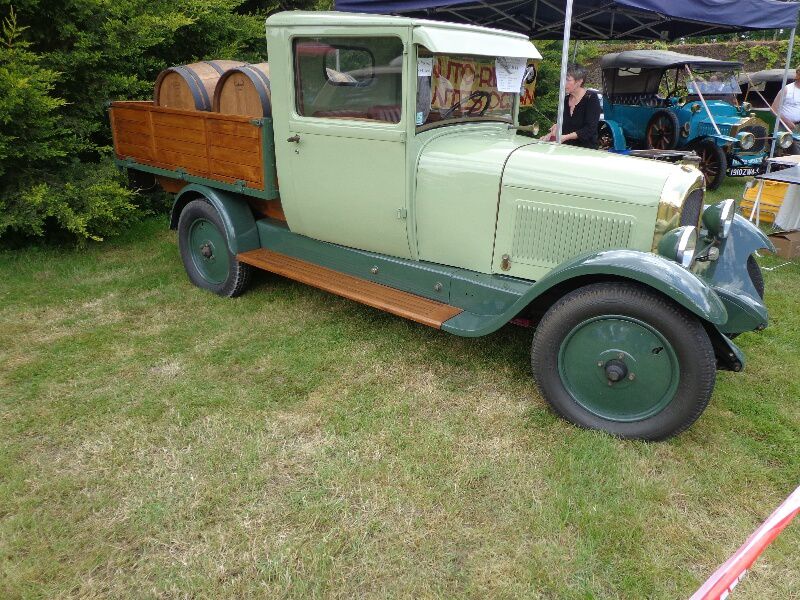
(620, 145)
(729, 278)
(240, 226)
(654, 271)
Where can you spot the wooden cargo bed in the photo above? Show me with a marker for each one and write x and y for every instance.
(227, 151)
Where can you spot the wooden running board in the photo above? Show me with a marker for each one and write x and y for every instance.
(403, 304)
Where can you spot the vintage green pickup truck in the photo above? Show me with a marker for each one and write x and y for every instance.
(388, 167)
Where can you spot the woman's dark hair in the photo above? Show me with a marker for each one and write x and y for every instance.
(577, 72)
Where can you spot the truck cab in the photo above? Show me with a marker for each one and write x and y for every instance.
(393, 152)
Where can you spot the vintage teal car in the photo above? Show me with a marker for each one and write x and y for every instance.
(664, 100)
(392, 147)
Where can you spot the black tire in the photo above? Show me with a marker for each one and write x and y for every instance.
(605, 137)
(756, 276)
(203, 245)
(713, 163)
(623, 308)
(662, 131)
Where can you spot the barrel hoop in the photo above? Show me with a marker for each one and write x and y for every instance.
(260, 81)
(261, 76)
(196, 86)
(213, 64)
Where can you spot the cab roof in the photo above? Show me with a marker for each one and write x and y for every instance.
(663, 59)
(767, 75)
(437, 36)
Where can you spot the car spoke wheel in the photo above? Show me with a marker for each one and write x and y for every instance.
(712, 163)
(605, 137)
(206, 257)
(662, 131)
(624, 359)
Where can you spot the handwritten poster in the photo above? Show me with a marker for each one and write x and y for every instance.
(456, 78)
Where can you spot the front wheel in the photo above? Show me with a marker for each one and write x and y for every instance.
(204, 250)
(713, 163)
(756, 276)
(623, 359)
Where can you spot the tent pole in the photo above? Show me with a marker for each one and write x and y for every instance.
(756, 211)
(564, 60)
(783, 85)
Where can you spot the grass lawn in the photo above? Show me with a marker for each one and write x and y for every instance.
(159, 441)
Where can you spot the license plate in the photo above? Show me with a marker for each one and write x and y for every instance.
(742, 171)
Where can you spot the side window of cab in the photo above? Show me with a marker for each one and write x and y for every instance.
(356, 78)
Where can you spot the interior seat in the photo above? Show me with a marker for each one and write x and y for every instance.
(389, 113)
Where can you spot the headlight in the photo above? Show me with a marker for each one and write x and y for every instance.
(718, 218)
(746, 107)
(746, 140)
(785, 139)
(679, 245)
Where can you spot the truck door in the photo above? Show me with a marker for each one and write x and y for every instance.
(347, 156)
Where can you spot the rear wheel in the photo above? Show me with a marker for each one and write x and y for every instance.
(204, 250)
(623, 359)
(662, 131)
(713, 163)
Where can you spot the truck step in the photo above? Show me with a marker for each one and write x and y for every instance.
(413, 307)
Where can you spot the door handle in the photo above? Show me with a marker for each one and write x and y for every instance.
(294, 138)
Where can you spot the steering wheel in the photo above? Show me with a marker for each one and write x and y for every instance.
(487, 96)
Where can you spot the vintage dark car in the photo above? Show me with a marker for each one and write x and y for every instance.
(761, 88)
(665, 100)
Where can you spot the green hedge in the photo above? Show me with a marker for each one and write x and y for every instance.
(60, 62)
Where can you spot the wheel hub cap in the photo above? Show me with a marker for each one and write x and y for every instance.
(616, 370)
(619, 368)
(206, 242)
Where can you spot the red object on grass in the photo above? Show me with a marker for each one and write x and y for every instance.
(724, 579)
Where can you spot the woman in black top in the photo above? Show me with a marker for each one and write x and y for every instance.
(581, 112)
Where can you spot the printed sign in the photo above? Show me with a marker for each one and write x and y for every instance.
(454, 79)
(424, 66)
(509, 72)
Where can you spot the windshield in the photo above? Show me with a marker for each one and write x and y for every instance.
(457, 88)
(713, 82)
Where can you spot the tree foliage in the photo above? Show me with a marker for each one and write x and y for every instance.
(60, 62)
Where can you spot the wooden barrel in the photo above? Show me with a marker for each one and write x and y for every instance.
(244, 91)
(191, 87)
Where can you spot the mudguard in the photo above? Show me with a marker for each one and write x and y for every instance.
(654, 271)
(728, 276)
(240, 226)
(619, 137)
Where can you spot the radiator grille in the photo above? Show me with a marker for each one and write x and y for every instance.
(692, 207)
(760, 133)
(546, 235)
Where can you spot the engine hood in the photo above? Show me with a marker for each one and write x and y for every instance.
(458, 176)
(574, 171)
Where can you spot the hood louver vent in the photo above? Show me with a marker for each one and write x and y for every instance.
(546, 235)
